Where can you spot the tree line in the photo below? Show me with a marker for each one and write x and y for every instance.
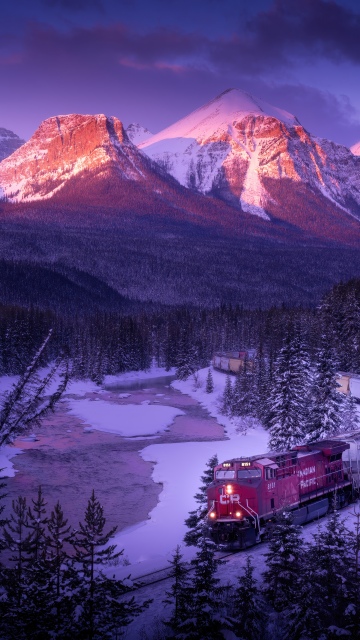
(183, 337)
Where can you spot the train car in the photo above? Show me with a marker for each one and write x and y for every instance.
(247, 493)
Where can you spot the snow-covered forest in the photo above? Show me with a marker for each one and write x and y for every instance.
(52, 583)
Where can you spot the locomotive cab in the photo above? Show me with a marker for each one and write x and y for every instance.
(247, 493)
(233, 503)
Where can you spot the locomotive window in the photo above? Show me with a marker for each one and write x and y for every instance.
(334, 457)
(249, 473)
(225, 473)
(269, 473)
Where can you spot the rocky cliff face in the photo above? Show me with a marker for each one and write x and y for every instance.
(235, 144)
(9, 142)
(67, 146)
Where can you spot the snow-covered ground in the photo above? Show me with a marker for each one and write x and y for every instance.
(126, 420)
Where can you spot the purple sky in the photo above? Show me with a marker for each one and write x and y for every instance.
(154, 61)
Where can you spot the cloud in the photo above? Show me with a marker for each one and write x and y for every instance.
(332, 117)
(306, 27)
(75, 5)
(282, 36)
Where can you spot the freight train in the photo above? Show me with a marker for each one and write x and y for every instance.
(247, 493)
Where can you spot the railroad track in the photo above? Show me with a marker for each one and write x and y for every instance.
(160, 575)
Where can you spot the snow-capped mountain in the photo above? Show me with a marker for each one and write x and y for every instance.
(238, 147)
(356, 149)
(137, 134)
(64, 147)
(9, 142)
(87, 162)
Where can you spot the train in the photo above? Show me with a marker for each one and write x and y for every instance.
(247, 493)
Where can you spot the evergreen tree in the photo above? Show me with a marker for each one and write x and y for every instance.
(36, 523)
(289, 419)
(15, 578)
(101, 612)
(248, 611)
(61, 575)
(319, 611)
(203, 618)
(27, 403)
(209, 382)
(195, 520)
(284, 563)
(349, 415)
(227, 398)
(179, 592)
(326, 406)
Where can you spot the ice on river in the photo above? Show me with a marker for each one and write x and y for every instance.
(125, 420)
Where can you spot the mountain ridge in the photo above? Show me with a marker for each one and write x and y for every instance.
(231, 144)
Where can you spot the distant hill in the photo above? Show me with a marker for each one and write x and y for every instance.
(68, 291)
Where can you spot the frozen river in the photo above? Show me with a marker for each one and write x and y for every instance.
(69, 458)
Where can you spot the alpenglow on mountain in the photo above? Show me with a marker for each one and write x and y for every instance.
(237, 163)
(239, 148)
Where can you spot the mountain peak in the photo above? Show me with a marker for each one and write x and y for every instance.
(64, 146)
(9, 142)
(137, 133)
(241, 149)
(235, 102)
(218, 117)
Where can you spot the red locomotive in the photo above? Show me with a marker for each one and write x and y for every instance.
(246, 493)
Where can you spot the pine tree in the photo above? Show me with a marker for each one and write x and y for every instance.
(248, 612)
(331, 559)
(288, 420)
(227, 398)
(209, 382)
(203, 618)
(326, 405)
(179, 591)
(284, 563)
(195, 520)
(27, 402)
(101, 612)
(348, 415)
(319, 611)
(61, 575)
(15, 579)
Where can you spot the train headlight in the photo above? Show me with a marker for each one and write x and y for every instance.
(213, 514)
(229, 488)
(238, 514)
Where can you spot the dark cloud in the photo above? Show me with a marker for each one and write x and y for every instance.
(171, 70)
(113, 44)
(320, 112)
(75, 5)
(308, 27)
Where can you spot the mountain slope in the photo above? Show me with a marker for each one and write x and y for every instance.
(235, 143)
(83, 168)
(9, 142)
(137, 134)
(356, 149)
